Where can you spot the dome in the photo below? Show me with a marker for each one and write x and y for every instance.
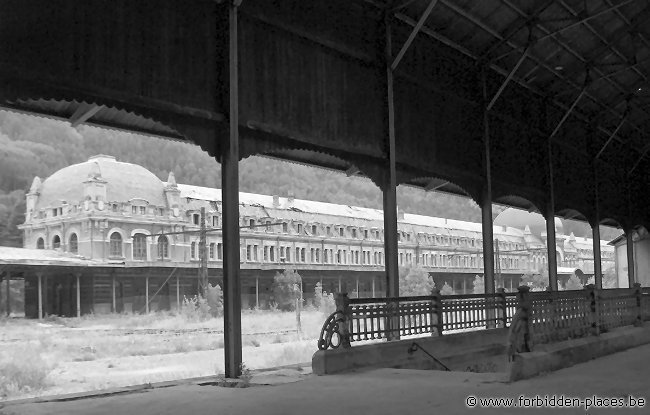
(518, 218)
(124, 181)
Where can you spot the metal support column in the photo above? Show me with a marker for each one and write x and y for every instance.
(630, 259)
(113, 294)
(146, 294)
(598, 272)
(257, 292)
(486, 202)
(550, 248)
(178, 294)
(40, 295)
(389, 190)
(230, 195)
(78, 295)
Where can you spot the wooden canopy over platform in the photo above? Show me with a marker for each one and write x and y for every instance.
(539, 104)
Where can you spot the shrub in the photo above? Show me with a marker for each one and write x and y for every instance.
(479, 285)
(323, 301)
(286, 289)
(215, 300)
(446, 290)
(22, 374)
(195, 308)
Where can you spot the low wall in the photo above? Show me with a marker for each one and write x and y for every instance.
(555, 356)
(456, 351)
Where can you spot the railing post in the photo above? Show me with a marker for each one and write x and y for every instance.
(343, 306)
(501, 306)
(639, 310)
(592, 297)
(520, 329)
(436, 314)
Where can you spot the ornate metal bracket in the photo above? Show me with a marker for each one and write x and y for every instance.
(334, 332)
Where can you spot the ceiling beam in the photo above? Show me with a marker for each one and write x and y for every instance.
(352, 171)
(568, 112)
(435, 184)
(611, 137)
(83, 113)
(414, 33)
(508, 78)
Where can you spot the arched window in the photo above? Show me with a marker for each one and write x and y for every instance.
(73, 245)
(140, 247)
(56, 242)
(163, 247)
(116, 245)
(40, 243)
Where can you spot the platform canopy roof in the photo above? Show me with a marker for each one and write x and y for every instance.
(566, 82)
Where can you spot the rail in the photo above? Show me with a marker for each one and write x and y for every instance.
(543, 317)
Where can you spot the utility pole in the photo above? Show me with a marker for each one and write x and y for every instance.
(203, 269)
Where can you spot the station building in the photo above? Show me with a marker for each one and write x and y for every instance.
(137, 242)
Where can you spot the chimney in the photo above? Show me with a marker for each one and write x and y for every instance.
(276, 201)
(290, 198)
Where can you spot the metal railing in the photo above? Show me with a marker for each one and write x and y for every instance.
(364, 319)
(540, 317)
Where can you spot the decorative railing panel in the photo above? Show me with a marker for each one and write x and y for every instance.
(557, 316)
(617, 308)
(645, 303)
(540, 317)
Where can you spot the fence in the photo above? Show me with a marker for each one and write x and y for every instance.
(362, 319)
(541, 317)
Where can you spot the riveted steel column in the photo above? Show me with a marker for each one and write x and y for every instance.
(598, 271)
(550, 248)
(230, 203)
(630, 259)
(486, 200)
(78, 295)
(390, 183)
(40, 295)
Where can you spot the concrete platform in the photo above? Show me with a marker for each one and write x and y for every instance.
(379, 391)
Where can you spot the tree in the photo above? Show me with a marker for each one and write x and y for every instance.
(215, 299)
(536, 282)
(573, 283)
(414, 281)
(323, 301)
(287, 288)
(479, 285)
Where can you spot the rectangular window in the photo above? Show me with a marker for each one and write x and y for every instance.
(285, 227)
(354, 233)
(143, 210)
(302, 255)
(328, 231)
(134, 209)
(266, 253)
(341, 231)
(196, 219)
(365, 234)
(219, 251)
(272, 253)
(193, 250)
(299, 228)
(314, 230)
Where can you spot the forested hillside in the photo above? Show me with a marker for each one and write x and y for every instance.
(34, 146)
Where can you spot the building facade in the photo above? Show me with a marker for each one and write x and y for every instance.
(146, 233)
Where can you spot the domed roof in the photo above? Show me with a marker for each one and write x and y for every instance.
(124, 181)
(518, 218)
